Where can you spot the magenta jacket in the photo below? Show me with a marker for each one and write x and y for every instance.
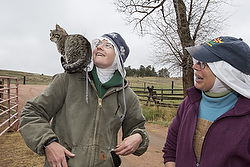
(226, 144)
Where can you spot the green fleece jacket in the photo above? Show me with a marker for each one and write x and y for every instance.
(87, 130)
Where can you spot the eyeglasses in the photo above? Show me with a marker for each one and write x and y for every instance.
(201, 64)
(106, 45)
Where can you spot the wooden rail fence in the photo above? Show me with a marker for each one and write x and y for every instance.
(159, 97)
(8, 103)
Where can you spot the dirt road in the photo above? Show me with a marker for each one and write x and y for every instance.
(152, 158)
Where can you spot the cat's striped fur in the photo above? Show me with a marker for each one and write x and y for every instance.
(75, 49)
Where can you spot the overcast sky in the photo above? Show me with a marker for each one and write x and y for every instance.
(25, 26)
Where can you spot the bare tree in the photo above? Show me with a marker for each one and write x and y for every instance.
(174, 25)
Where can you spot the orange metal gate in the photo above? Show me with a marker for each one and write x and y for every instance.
(8, 103)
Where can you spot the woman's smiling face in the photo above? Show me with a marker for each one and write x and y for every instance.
(103, 54)
(204, 77)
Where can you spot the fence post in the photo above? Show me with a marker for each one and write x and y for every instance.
(172, 87)
(1, 86)
(24, 79)
(8, 95)
(161, 94)
(17, 102)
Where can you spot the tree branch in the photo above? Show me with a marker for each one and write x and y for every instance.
(199, 22)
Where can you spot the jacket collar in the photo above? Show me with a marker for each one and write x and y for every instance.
(112, 89)
(194, 94)
(241, 107)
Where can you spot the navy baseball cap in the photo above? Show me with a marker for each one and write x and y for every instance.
(229, 49)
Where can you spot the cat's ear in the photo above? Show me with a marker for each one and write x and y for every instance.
(58, 28)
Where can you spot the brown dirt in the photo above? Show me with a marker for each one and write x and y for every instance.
(14, 152)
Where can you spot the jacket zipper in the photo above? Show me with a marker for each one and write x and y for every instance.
(99, 102)
(92, 158)
(95, 132)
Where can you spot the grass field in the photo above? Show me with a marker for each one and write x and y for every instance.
(157, 82)
(157, 114)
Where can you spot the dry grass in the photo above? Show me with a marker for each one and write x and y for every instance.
(157, 82)
(14, 153)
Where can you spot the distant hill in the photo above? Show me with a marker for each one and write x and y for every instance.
(30, 78)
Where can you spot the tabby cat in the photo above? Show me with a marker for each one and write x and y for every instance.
(75, 49)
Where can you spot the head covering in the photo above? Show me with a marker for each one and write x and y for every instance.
(122, 52)
(232, 50)
(121, 49)
(229, 60)
(219, 86)
(232, 77)
(119, 43)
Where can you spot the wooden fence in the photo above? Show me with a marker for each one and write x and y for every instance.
(8, 103)
(159, 97)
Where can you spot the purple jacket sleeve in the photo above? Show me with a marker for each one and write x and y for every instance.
(170, 144)
(171, 141)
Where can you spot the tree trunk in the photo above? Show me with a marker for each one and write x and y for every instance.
(186, 40)
(187, 72)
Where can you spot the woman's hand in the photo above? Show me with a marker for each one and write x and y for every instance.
(56, 153)
(129, 145)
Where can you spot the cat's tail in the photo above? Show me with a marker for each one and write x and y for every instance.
(77, 66)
